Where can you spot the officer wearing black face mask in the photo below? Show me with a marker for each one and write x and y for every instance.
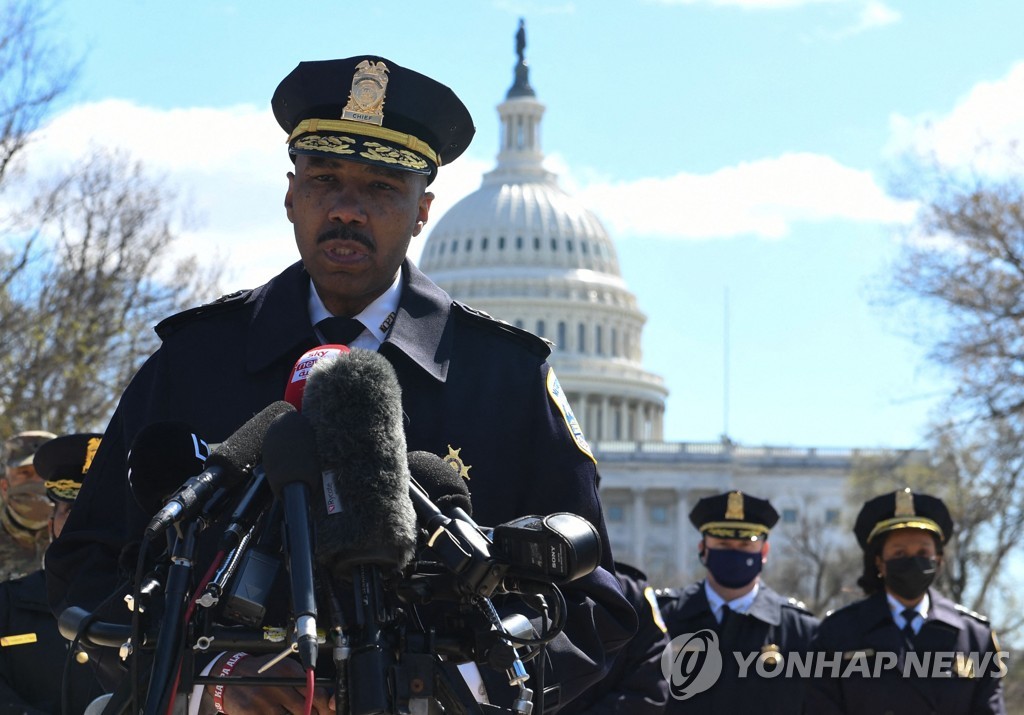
(915, 650)
(753, 628)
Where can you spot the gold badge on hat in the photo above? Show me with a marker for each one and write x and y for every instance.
(90, 451)
(454, 461)
(366, 98)
(904, 503)
(734, 507)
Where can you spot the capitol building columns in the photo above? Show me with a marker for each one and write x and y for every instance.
(684, 531)
(639, 540)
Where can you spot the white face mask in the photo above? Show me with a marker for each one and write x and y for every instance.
(29, 506)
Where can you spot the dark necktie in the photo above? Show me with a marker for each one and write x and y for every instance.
(729, 624)
(340, 331)
(909, 614)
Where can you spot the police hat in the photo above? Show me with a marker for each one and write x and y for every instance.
(63, 462)
(19, 449)
(734, 515)
(902, 509)
(374, 111)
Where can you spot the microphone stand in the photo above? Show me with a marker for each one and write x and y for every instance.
(172, 629)
(368, 661)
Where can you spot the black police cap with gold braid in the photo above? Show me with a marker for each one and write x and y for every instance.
(902, 509)
(734, 515)
(63, 462)
(371, 110)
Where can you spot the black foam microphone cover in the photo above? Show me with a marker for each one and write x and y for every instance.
(354, 402)
(162, 456)
(441, 482)
(239, 453)
(228, 465)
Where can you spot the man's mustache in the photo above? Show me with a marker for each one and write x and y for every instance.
(345, 233)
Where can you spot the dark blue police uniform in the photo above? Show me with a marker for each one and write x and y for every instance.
(33, 654)
(471, 386)
(865, 629)
(635, 685)
(772, 624)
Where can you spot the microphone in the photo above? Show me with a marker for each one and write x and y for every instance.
(228, 465)
(479, 574)
(162, 456)
(354, 403)
(446, 488)
(250, 506)
(290, 461)
(296, 386)
(452, 534)
(557, 548)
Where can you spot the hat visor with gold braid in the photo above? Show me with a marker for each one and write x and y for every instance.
(734, 526)
(359, 133)
(746, 530)
(917, 522)
(65, 490)
(365, 143)
(905, 517)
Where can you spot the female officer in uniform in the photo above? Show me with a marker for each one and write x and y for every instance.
(906, 648)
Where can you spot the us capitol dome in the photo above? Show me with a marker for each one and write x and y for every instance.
(526, 252)
(523, 250)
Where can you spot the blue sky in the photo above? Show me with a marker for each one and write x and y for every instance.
(731, 147)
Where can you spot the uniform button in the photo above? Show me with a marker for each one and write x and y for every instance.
(82, 657)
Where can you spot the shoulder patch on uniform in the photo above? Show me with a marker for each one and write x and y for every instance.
(226, 302)
(535, 344)
(968, 612)
(562, 403)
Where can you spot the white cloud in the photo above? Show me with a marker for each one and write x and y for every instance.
(981, 130)
(764, 198)
(228, 167)
(754, 4)
(872, 14)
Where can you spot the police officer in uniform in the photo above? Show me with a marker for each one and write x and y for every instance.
(366, 137)
(882, 640)
(33, 653)
(26, 509)
(635, 685)
(747, 617)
